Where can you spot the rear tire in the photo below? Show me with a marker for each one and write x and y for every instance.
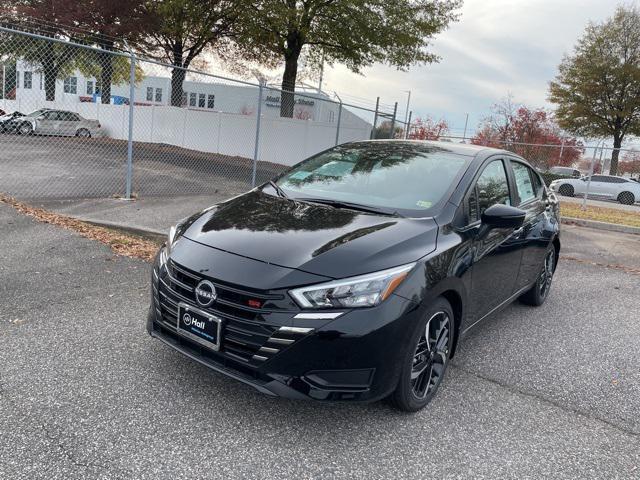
(539, 292)
(25, 129)
(426, 358)
(566, 190)
(627, 198)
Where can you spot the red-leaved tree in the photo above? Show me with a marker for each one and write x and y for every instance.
(630, 163)
(531, 133)
(428, 129)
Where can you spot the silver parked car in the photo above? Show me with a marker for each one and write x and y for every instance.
(624, 190)
(56, 122)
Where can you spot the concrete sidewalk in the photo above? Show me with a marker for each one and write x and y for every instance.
(155, 214)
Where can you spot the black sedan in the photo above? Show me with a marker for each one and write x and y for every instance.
(354, 275)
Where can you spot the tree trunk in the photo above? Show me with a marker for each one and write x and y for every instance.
(617, 143)
(177, 75)
(106, 71)
(50, 69)
(287, 100)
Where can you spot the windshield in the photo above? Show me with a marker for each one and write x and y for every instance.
(392, 176)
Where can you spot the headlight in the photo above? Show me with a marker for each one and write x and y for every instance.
(172, 236)
(362, 291)
(175, 233)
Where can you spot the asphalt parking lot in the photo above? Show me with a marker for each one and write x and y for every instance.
(43, 167)
(552, 392)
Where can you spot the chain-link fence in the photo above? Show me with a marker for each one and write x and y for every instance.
(84, 122)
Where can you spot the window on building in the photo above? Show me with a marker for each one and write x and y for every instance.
(17, 79)
(192, 99)
(28, 80)
(41, 78)
(183, 101)
(211, 101)
(98, 87)
(331, 115)
(149, 94)
(70, 85)
(201, 100)
(90, 87)
(158, 94)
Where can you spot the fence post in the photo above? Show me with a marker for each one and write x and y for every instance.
(4, 85)
(255, 151)
(408, 126)
(132, 82)
(393, 121)
(375, 120)
(339, 118)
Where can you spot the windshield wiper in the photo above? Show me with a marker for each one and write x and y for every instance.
(277, 188)
(349, 205)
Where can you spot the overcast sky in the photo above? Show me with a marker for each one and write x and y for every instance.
(498, 46)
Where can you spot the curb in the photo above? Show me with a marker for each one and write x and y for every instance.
(144, 232)
(611, 227)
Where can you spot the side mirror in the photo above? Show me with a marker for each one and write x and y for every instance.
(503, 216)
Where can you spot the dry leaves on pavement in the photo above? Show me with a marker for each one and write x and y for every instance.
(121, 243)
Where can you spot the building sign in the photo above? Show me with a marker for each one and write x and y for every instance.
(274, 101)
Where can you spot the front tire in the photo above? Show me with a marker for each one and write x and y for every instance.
(566, 190)
(627, 198)
(539, 292)
(426, 359)
(25, 129)
(83, 133)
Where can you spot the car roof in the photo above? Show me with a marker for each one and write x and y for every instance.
(458, 148)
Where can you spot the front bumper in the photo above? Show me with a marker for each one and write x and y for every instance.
(355, 357)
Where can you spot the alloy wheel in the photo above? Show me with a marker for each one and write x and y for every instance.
(431, 355)
(547, 273)
(25, 129)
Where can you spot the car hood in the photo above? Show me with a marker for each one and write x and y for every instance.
(314, 238)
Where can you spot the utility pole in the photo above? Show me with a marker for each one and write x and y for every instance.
(406, 112)
(406, 130)
(464, 135)
(375, 119)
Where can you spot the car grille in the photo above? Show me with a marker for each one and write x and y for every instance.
(246, 336)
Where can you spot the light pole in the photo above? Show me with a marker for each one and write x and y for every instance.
(406, 113)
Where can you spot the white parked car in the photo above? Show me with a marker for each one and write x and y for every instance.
(55, 122)
(624, 190)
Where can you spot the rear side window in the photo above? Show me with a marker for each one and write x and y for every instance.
(524, 183)
(491, 188)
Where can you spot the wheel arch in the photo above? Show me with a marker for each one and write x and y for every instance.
(455, 300)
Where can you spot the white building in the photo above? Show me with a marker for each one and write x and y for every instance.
(216, 117)
(310, 104)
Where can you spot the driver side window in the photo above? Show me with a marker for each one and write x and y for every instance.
(491, 187)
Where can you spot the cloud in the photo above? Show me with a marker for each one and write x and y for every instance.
(499, 46)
